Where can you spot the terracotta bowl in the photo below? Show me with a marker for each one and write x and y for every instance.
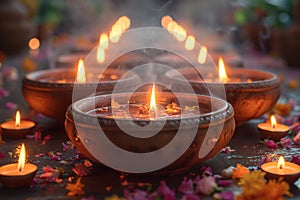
(212, 126)
(50, 97)
(248, 99)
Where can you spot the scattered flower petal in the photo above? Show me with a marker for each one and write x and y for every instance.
(286, 142)
(206, 185)
(239, 171)
(271, 144)
(10, 105)
(75, 189)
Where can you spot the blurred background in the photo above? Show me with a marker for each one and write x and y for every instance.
(268, 28)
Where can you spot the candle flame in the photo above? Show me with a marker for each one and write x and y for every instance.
(81, 78)
(222, 71)
(18, 119)
(273, 121)
(281, 162)
(165, 20)
(202, 55)
(103, 41)
(152, 109)
(100, 54)
(172, 27)
(190, 43)
(34, 43)
(21, 162)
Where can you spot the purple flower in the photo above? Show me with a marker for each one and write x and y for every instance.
(11, 105)
(227, 150)
(206, 171)
(81, 170)
(295, 127)
(2, 155)
(190, 197)
(296, 159)
(224, 183)
(164, 191)
(51, 174)
(206, 185)
(139, 195)
(286, 142)
(88, 198)
(297, 138)
(271, 144)
(267, 158)
(186, 186)
(3, 93)
(228, 195)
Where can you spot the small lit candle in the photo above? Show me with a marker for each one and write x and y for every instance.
(290, 172)
(17, 129)
(18, 174)
(273, 130)
(34, 45)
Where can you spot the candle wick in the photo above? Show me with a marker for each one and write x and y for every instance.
(20, 170)
(273, 126)
(280, 167)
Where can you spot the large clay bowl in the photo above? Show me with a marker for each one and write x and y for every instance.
(249, 100)
(213, 129)
(52, 98)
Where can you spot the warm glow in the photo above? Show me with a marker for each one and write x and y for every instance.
(281, 163)
(21, 162)
(115, 33)
(202, 55)
(152, 109)
(180, 33)
(222, 71)
(34, 43)
(190, 43)
(273, 121)
(18, 119)
(81, 78)
(100, 54)
(172, 27)
(165, 20)
(124, 22)
(103, 41)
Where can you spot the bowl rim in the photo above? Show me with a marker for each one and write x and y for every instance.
(30, 79)
(271, 81)
(222, 113)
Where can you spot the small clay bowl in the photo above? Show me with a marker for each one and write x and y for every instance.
(249, 100)
(214, 127)
(47, 93)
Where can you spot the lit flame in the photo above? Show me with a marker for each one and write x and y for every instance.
(202, 55)
(152, 109)
(222, 71)
(18, 119)
(103, 41)
(281, 163)
(190, 43)
(81, 78)
(34, 43)
(100, 54)
(21, 162)
(165, 20)
(273, 121)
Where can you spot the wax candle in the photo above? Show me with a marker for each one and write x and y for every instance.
(18, 174)
(272, 130)
(289, 171)
(17, 129)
